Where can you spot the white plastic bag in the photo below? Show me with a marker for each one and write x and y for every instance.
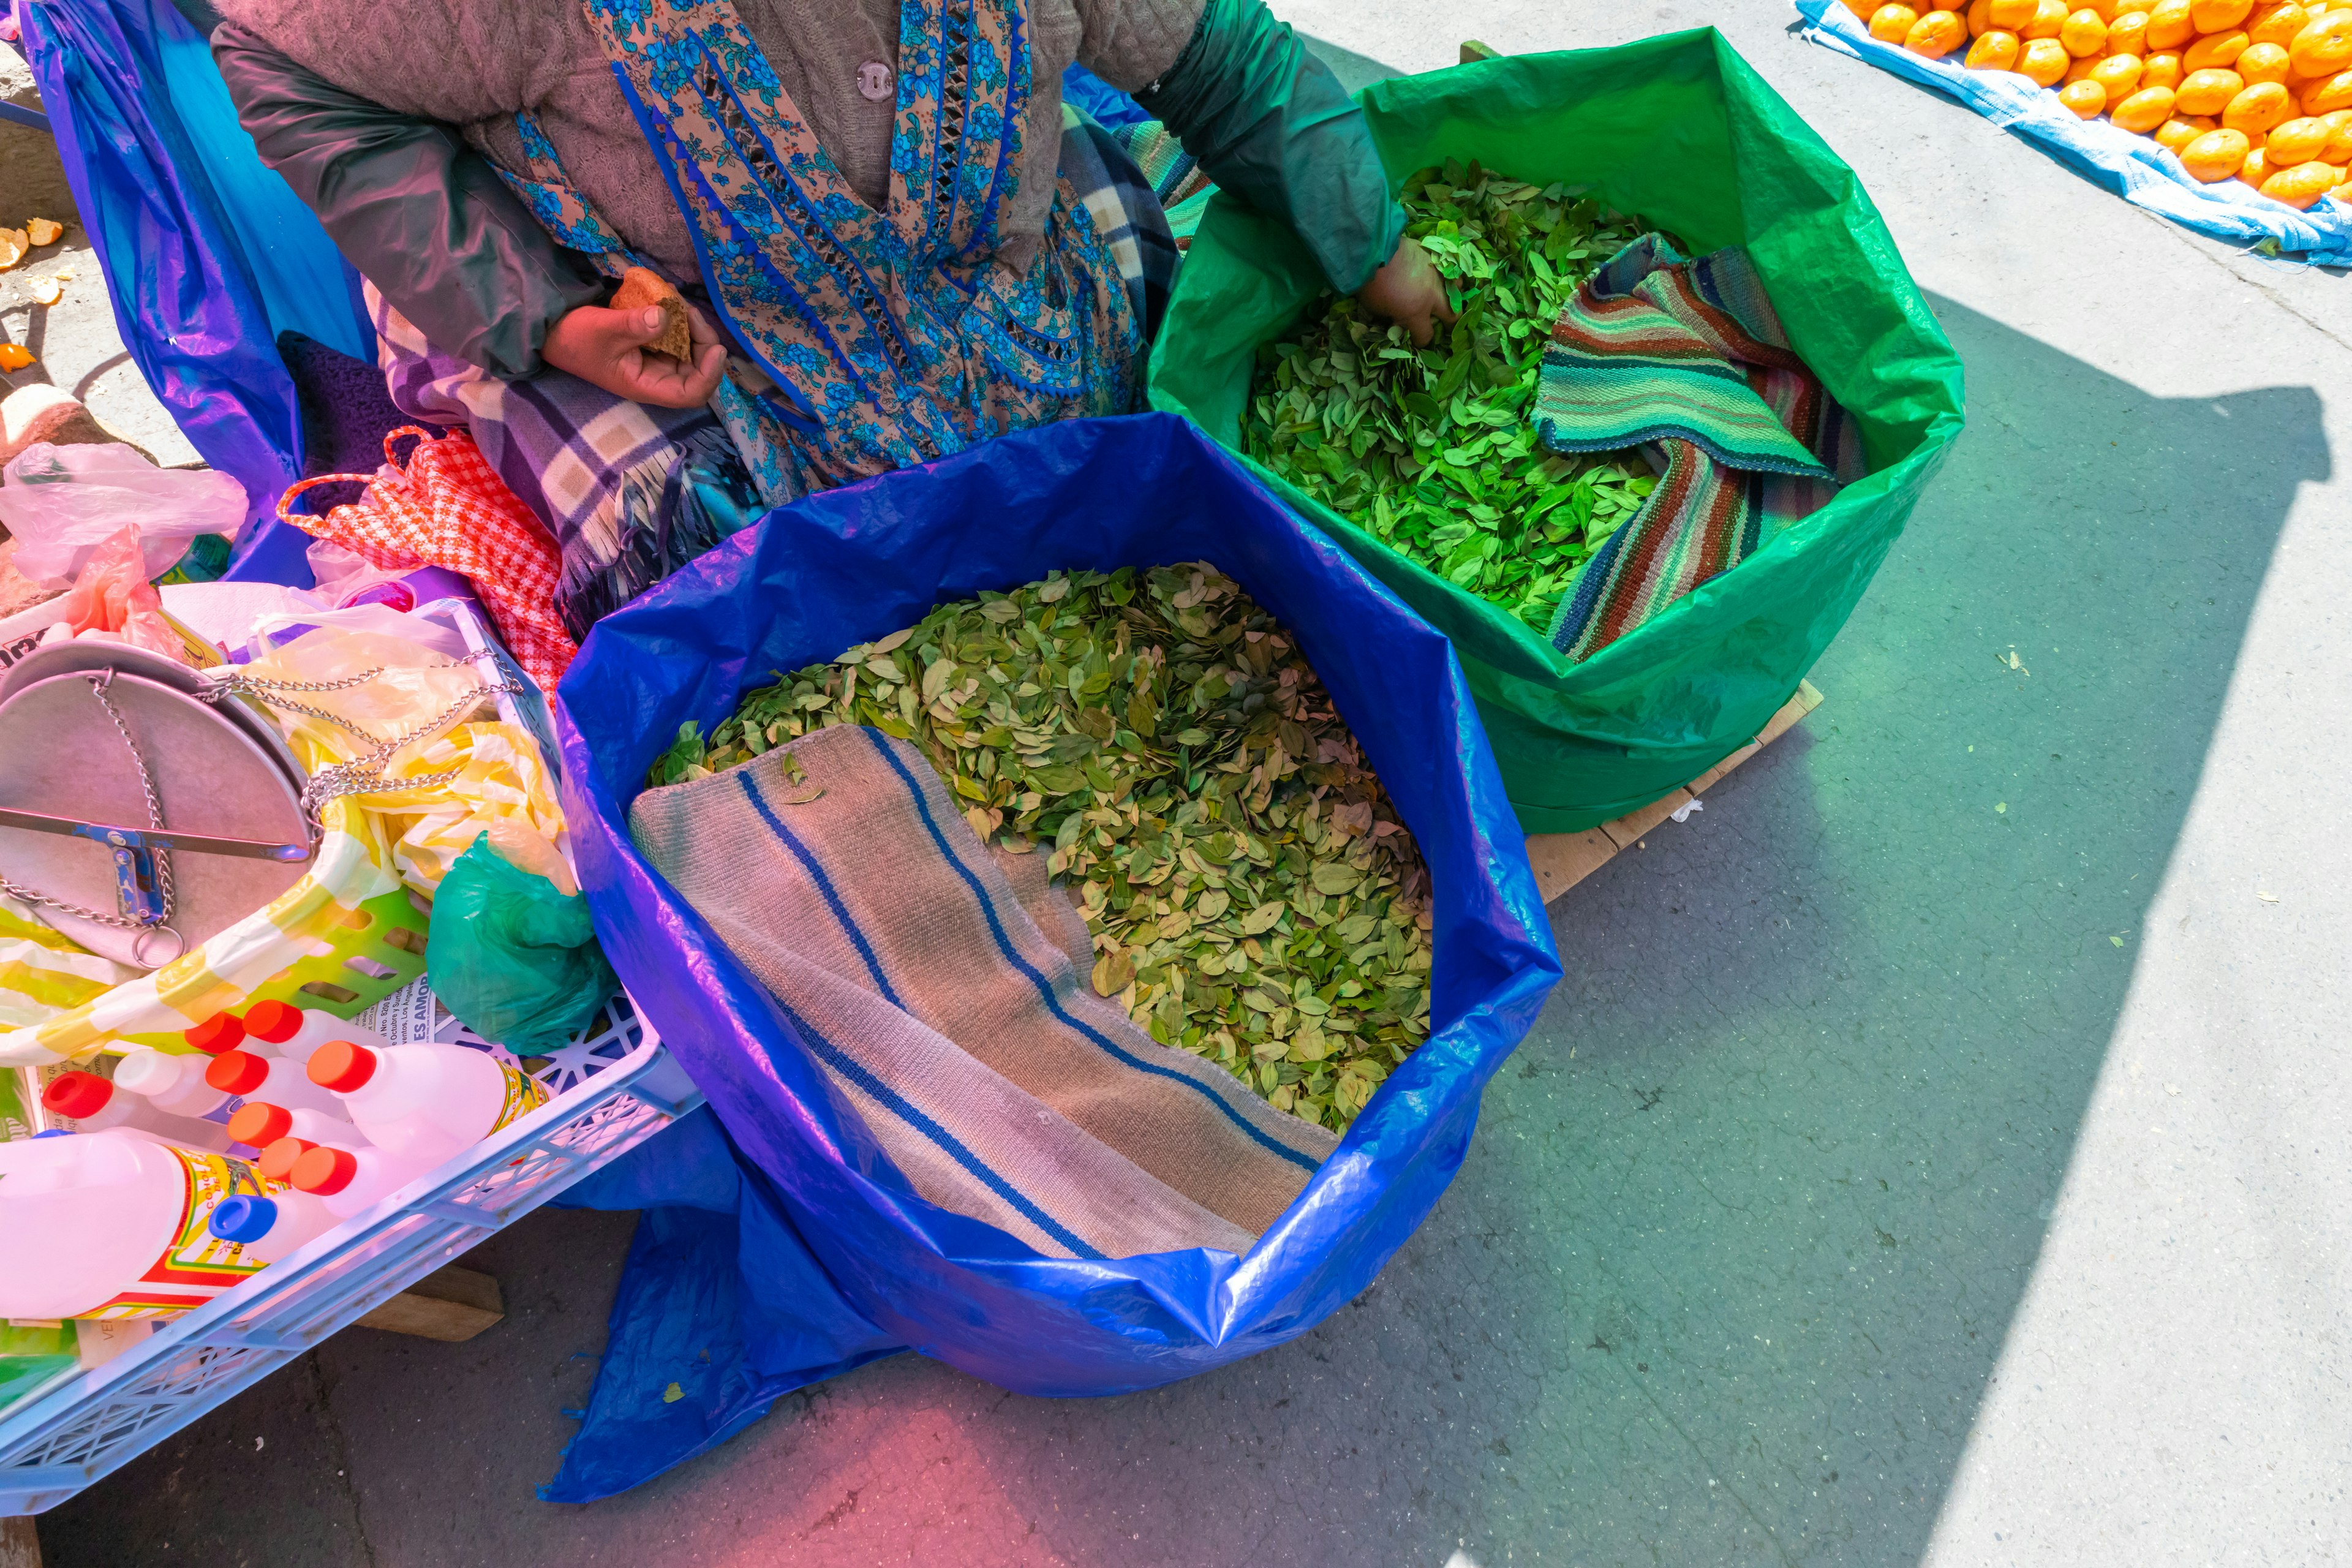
(62, 502)
(340, 576)
(379, 619)
(227, 612)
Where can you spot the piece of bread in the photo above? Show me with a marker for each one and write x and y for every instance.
(639, 288)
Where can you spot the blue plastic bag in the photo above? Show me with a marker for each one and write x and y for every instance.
(839, 1260)
(1109, 107)
(208, 254)
(2133, 167)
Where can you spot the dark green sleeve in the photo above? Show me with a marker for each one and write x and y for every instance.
(1269, 120)
(422, 215)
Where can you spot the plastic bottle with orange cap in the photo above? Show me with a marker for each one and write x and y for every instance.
(271, 1080)
(278, 1158)
(349, 1180)
(170, 1082)
(258, 1124)
(408, 1107)
(294, 1033)
(416, 1105)
(279, 1029)
(239, 1068)
(221, 1032)
(390, 1114)
(424, 1102)
(283, 1137)
(94, 1105)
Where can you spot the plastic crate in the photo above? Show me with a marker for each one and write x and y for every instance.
(325, 942)
(611, 1089)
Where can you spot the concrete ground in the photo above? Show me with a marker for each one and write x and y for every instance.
(1935, 1154)
(75, 340)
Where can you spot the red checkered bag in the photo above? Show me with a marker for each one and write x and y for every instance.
(447, 507)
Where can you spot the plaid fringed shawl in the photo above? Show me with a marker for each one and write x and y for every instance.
(1125, 176)
(1687, 361)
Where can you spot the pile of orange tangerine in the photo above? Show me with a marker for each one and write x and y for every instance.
(2261, 92)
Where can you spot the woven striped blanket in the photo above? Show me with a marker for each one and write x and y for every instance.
(1685, 360)
(941, 987)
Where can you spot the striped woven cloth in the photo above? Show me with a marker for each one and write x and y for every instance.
(1685, 360)
(941, 986)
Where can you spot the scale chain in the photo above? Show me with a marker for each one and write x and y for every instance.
(361, 775)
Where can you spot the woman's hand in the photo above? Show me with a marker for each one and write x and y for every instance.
(1408, 291)
(606, 349)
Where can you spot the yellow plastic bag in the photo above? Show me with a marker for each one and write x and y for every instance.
(43, 972)
(500, 786)
(399, 689)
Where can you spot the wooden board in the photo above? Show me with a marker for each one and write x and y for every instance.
(1561, 860)
(450, 1304)
(19, 1547)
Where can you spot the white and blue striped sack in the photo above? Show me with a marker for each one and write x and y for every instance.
(942, 987)
(2133, 167)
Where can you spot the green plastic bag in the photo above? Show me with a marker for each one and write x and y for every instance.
(1679, 129)
(513, 959)
(31, 1355)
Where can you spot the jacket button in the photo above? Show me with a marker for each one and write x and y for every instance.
(873, 81)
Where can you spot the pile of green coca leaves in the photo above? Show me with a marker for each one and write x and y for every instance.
(1252, 897)
(1433, 450)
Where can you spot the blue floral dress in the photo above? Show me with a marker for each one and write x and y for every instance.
(894, 336)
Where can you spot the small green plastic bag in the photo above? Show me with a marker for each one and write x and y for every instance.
(515, 961)
(1681, 130)
(31, 1356)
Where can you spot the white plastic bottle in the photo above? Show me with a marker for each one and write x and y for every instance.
(221, 1032)
(94, 1105)
(277, 1159)
(351, 1180)
(113, 1224)
(424, 1102)
(171, 1082)
(273, 1080)
(257, 1124)
(267, 1230)
(294, 1033)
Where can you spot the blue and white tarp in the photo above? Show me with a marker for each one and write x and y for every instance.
(2133, 167)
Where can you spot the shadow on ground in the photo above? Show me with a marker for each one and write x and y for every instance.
(1746, 1219)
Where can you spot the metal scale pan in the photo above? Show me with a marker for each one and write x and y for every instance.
(220, 772)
